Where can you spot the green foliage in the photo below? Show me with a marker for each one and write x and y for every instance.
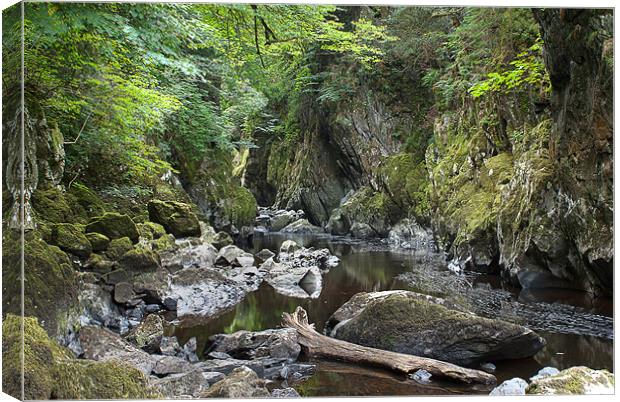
(528, 70)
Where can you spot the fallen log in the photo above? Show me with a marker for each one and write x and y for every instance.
(319, 345)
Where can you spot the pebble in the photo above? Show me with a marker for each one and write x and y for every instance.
(421, 376)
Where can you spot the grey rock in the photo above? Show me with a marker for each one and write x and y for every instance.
(169, 346)
(421, 376)
(190, 383)
(544, 372)
(148, 334)
(189, 350)
(264, 255)
(219, 355)
(574, 380)
(221, 239)
(302, 226)
(240, 383)
(285, 393)
(211, 377)
(165, 365)
(394, 320)
(289, 246)
(197, 256)
(275, 343)
(488, 367)
(515, 386)
(123, 292)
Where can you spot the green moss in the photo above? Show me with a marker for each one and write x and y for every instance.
(118, 247)
(572, 381)
(151, 230)
(242, 207)
(71, 238)
(85, 201)
(51, 373)
(50, 205)
(114, 226)
(50, 281)
(165, 242)
(98, 241)
(139, 259)
(176, 217)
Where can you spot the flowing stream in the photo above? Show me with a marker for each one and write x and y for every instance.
(578, 330)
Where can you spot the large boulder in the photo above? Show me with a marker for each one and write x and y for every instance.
(408, 322)
(176, 217)
(98, 241)
(241, 383)
(187, 384)
(294, 281)
(200, 256)
(71, 238)
(139, 259)
(114, 226)
(575, 381)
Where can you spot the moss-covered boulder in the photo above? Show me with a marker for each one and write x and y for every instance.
(151, 230)
(164, 243)
(412, 323)
(50, 281)
(51, 205)
(71, 238)
(99, 264)
(148, 334)
(50, 372)
(118, 247)
(574, 381)
(98, 242)
(84, 201)
(176, 217)
(114, 226)
(139, 259)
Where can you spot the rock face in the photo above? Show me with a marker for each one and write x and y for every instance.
(574, 380)
(176, 217)
(114, 226)
(241, 383)
(420, 325)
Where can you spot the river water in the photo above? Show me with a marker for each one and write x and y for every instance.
(578, 330)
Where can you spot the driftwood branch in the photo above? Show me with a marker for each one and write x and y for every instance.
(320, 345)
(80, 133)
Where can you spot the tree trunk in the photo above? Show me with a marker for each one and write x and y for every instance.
(319, 345)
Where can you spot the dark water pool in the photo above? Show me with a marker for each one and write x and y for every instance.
(365, 269)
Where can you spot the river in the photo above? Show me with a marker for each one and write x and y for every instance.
(566, 319)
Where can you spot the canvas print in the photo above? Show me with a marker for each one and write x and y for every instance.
(280, 201)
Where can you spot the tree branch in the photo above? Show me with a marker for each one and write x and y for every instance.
(80, 133)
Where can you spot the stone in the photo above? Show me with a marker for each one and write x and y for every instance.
(574, 381)
(123, 292)
(264, 255)
(151, 230)
(114, 226)
(228, 254)
(488, 367)
(98, 241)
(302, 226)
(240, 383)
(421, 376)
(221, 239)
(394, 320)
(148, 334)
(544, 372)
(292, 281)
(165, 365)
(246, 345)
(98, 308)
(515, 386)
(199, 256)
(99, 264)
(219, 355)
(118, 247)
(285, 393)
(281, 220)
(289, 246)
(211, 377)
(71, 238)
(151, 286)
(362, 230)
(189, 383)
(169, 346)
(189, 350)
(139, 259)
(176, 217)
(103, 345)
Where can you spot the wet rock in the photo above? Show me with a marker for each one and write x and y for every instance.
(123, 292)
(289, 246)
(575, 380)
(302, 282)
(241, 383)
(394, 320)
(103, 345)
(515, 386)
(176, 217)
(152, 308)
(114, 226)
(302, 226)
(421, 376)
(199, 256)
(308, 257)
(277, 343)
(488, 367)
(148, 334)
(296, 372)
(285, 393)
(282, 219)
(165, 365)
(99, 309)
(544, 372)
(203, 292)
(221, 239)
(226, 366)
(190, 383)
(264, 255)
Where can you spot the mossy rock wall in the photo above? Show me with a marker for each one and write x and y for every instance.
(51, 372)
